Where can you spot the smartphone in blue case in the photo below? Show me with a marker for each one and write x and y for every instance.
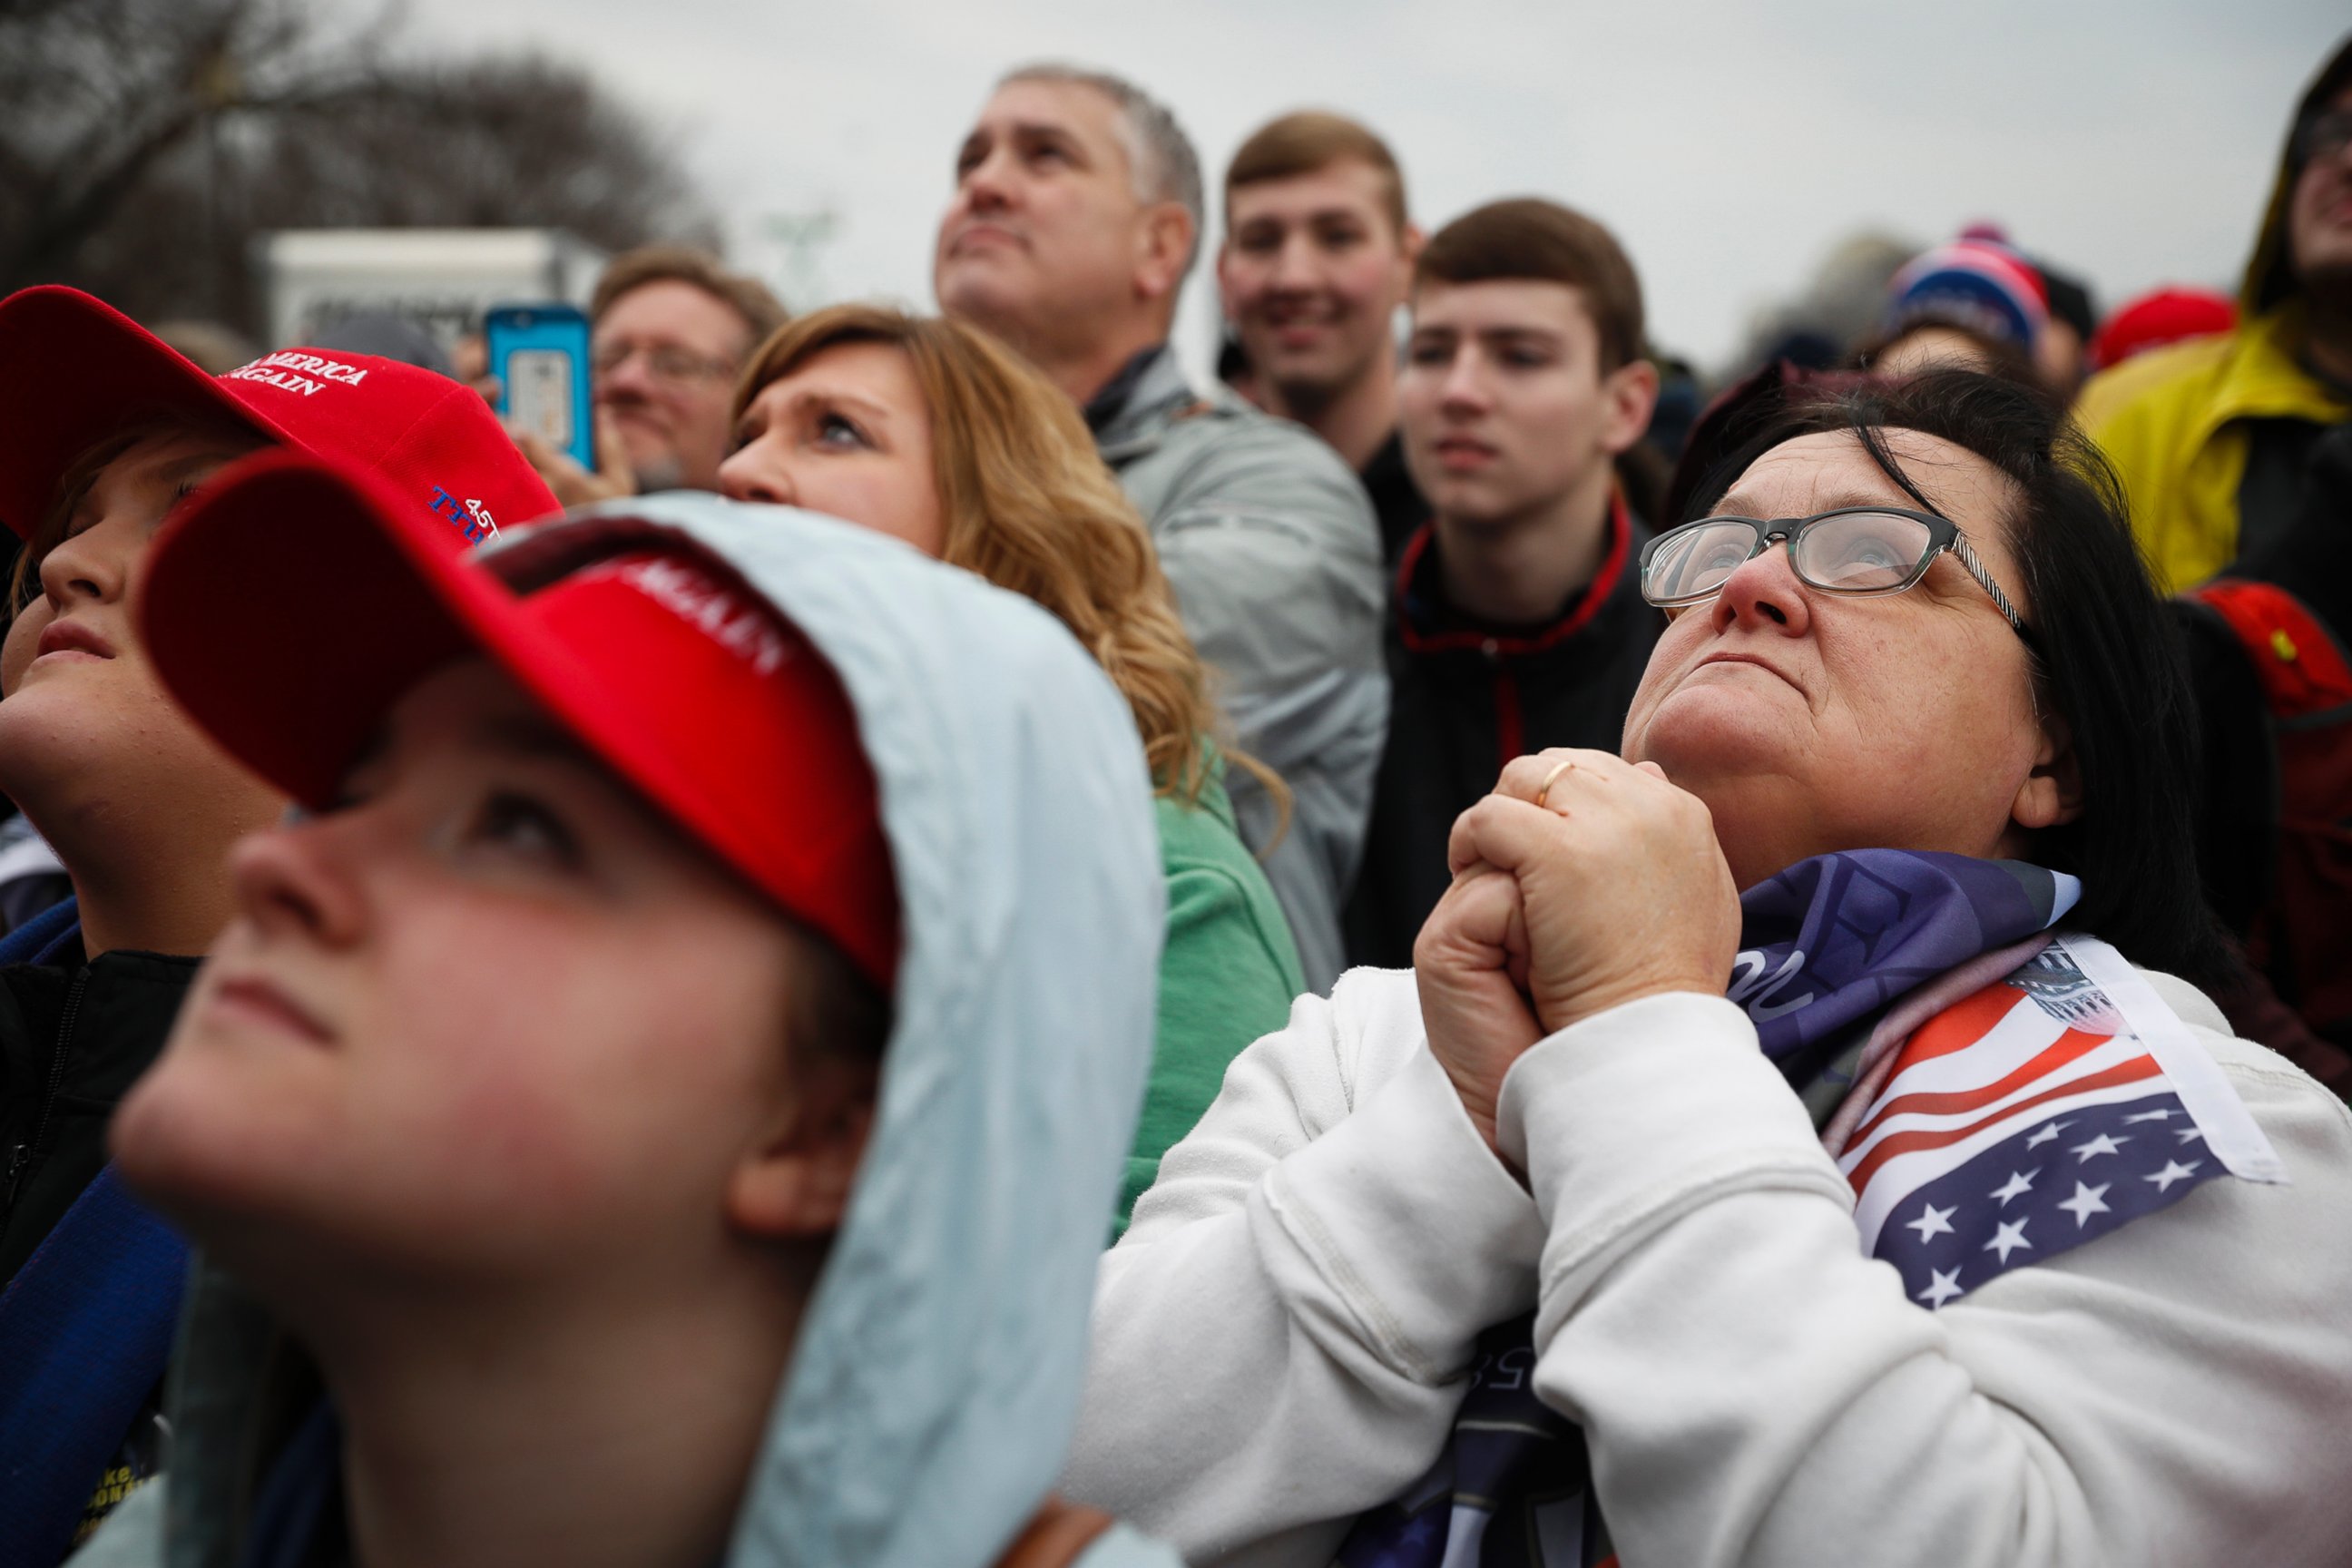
(539, 354)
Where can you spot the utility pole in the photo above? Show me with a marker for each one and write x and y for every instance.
(799, 240)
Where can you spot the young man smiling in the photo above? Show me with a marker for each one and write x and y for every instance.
(1316, 261)
(1517, 622)
(1076, 217)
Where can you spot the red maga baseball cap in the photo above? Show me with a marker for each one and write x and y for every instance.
(75, 371)
(290, 646)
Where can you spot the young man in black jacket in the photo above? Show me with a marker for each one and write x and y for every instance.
(1516, 620)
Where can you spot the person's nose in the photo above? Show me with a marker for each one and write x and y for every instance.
(757, 473)
(1764, 595)
(1294, 270)
(94, 565)
(1464, 392)
(987, 186)
(629, 380)
(296, 879)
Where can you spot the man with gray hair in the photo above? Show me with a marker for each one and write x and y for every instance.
(1077, 216)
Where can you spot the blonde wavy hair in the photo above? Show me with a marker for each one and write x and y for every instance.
(1031, 507)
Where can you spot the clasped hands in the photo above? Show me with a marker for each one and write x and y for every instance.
(1611, 889)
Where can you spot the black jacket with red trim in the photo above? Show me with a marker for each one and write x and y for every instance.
(1464, 699)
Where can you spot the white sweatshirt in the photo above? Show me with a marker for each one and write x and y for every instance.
(1282, 1338)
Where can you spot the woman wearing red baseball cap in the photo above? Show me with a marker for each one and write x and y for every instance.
(104, 431)
(661, 1104)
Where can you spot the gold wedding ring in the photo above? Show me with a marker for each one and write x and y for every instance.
(1551, 778)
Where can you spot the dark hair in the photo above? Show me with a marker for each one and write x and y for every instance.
(2000, 356)
(2070, 301)
(2106, 661)
(836, 1010)
(81, 476)
(1532, 239)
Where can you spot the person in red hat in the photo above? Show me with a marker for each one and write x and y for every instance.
(104, 432)
(661, 1103)
(2159, 318)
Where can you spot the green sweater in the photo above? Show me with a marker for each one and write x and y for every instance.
(1226, 976)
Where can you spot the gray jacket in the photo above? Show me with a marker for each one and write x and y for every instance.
(1275, 556)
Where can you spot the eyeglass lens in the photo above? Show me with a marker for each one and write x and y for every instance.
(1850, 553)
(666, 363)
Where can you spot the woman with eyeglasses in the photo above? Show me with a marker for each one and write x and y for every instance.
(1800, 1138)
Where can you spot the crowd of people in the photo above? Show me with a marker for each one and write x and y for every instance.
(967, 952)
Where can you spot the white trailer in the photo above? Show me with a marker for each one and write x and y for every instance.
(442, 278)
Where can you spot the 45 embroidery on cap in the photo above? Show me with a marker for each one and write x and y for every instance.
(472, 519)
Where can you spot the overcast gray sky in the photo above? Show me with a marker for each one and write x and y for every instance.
(1729, 145)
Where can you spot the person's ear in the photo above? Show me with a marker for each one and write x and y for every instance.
(2052, 793)
(794, 1183)
(1167, 242)
(1409, 246)
(1629, 393)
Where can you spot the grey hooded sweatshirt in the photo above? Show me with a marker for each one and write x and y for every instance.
(930, 1399)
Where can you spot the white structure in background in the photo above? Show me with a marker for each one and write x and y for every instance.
(442, 278)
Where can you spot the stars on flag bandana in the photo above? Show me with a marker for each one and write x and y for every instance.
(2027, 1119)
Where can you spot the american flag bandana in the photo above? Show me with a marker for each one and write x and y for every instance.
(2041, 1112)
(1996, 1096)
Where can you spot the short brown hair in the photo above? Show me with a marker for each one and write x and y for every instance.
(1529, 238)
(749, 298)
(1311, 140)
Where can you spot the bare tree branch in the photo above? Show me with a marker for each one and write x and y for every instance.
(144, 142)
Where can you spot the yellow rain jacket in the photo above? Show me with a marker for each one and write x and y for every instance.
(2173, 422)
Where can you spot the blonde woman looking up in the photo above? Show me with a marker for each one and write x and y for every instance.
(927, 429)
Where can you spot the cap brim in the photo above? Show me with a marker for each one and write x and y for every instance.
(292, 605)
(287, 607)
(73, 371)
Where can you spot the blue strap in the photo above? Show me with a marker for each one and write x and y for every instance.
(39, 939)
(298, 1516)
(85, 1334)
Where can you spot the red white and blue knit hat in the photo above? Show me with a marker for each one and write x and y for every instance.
(1976, 283)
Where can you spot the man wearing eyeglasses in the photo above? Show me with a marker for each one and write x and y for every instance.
(1517, 620)
(2214, 440)
(669, 329)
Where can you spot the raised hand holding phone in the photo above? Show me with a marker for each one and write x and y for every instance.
(576, 485)
(542, 382)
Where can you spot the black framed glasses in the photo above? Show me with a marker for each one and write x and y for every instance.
(666, 362)
(1866, 552)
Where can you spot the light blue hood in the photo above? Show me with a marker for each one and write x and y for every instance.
(931, 1398)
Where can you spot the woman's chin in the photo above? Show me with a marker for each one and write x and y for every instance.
(1706, 733)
